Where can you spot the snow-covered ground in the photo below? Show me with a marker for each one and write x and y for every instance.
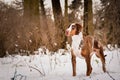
(58, 67)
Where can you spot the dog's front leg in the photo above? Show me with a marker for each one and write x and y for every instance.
(73, 59)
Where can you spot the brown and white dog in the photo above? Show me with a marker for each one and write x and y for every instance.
(85, 49)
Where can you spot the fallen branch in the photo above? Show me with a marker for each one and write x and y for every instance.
(37, 70)
(110, 75)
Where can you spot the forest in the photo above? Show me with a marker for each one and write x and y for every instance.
(33, 44)
(27, 25)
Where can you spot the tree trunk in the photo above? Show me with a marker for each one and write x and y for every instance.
(31, 9)
(26, 4)
(85, 17)
(88, 18)
(58, 18)
(2, 46)
(35, 10)
(66, 22)
(45, 28)
(32, 22)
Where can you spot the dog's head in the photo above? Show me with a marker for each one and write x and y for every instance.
(73, 29)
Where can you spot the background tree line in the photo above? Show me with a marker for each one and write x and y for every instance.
(28, 24)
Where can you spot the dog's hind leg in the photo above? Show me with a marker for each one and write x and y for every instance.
(102, 59)
(100, 54)
(89, 67)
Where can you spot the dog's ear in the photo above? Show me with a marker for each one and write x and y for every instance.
(79, 28)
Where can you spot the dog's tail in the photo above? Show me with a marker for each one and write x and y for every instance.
(102, 52)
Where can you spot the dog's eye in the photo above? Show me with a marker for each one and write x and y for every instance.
(73, 27)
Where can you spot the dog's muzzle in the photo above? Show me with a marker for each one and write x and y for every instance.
(67, 32)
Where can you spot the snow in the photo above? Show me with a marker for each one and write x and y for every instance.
(58, 67)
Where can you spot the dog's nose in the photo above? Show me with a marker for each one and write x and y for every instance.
(67, 32)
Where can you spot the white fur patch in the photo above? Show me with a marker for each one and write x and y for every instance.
(76, 40)
(70, 28)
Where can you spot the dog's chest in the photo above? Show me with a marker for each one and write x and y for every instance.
(76, 41)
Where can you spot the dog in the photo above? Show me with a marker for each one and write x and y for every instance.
(83, 47)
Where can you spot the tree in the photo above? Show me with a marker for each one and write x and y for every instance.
(66, 22)
(74, 7)
(31, 9)
(88, 18)
(32, 24)
(111, 17)
(58, 18)
(45, 28)
(9, 22)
